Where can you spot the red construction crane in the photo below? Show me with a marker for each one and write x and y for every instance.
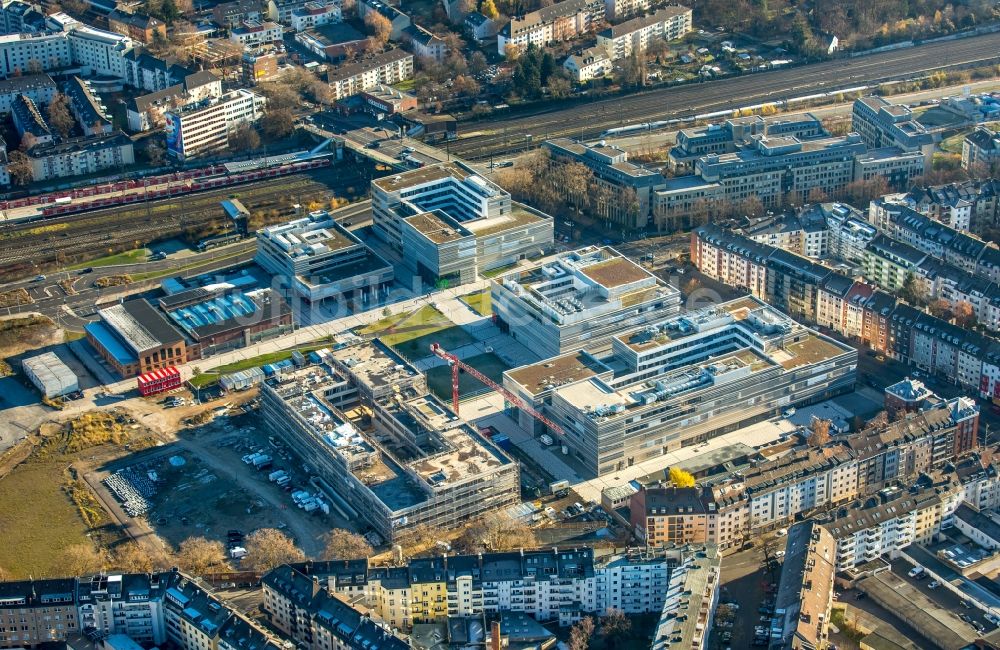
(457, 364)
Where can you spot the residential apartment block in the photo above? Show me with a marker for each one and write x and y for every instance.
(203, 127)
(579, 300)
(419, 464)
(252, 33)
(804, 598)
(558, 22)
(450, 223)
(39, 88)
(319, 259)
(668, 24)
(760, 494)
(139, 27)
(35, 612)
(555, 584)
(981, 151)
(624, 9)
(386, 68)
(969, 205)
(314, 14)
(855, 309)
(151, 609)
(590, 63)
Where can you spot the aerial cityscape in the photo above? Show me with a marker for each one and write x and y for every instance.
(499, 325)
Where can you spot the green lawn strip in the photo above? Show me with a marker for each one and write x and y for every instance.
(439, 377)
(492, 273)
(954, 143)
(152, 275)
(126, 257)
(479, 302)
(210, 377)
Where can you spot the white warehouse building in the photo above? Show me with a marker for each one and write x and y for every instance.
(50, 375)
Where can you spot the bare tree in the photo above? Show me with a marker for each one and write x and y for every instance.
(268, 548)
(819, 432)
(19, 167)
(199, 555)
(344, 545)
(378, 26)
(615, 628)
(60, 116)
(579, 636)
(81, 560)
(132, 558)
(496, 532)
(278, 124)
(244, 138)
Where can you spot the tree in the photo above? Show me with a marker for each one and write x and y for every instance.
(344, 545)
(81, 560)
(132, 558)
(489, 9)
(378, 26)
(478, 63)
(28, 141)
(615, 627)
(496, 532)
(420, 537)
(155, 153)
(20, 169)
(278, 124)
(909, 291)
(940, 308)
(819, 432)
(60, 116)
(579, 636)
(681, 478)
(268, 548)
(199, 555)
(964, 314)
(244, 138)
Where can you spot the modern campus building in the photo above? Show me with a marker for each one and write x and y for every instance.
(884, 124)
(450, 224)
(319, 259)
(579, 300)
(419, 464)
(631, 185)
(695, 376)
(669, 23)
(203, 127)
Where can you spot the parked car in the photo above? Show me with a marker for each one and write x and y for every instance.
(965, 603)
(915, 571)
(933, 584)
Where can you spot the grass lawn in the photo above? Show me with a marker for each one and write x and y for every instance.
(954, 143)
(209, 378)
(152, 275)
(492, 273)
(406, 85)
(411, 334)
(439, 377)
(39, 528)
(480, 302)
(128, 257)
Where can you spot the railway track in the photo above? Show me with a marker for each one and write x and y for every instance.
(42, 244)
(590, 119)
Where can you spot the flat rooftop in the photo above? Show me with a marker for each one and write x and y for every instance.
(454, 451)
(302, 393)
(616, 272)
(518, 217)
(567, 368)
(317, 234)
(375, 364)
(436, 229)
(422, 175)
(810, 349)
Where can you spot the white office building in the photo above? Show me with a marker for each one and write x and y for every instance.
(203, 127)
